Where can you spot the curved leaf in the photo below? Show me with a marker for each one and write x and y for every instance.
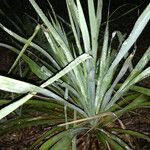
(131, 132)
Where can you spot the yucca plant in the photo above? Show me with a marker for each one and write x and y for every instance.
(81, 93)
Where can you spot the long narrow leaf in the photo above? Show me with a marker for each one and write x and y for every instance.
(68, 68)
(37, 47)
(131, 132)
(25, 47)
(136, 31)
(8, 109)
(119, 76)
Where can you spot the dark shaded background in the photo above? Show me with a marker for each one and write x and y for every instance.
(23, 6)
(123, 24)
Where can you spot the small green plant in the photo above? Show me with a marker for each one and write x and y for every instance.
(80, 90)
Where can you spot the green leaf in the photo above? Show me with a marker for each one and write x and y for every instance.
(26, 121)
(37, 47)
(42, 137)
(102, 139)
(64, 142)
(121, 73)
(93, 27)
(74, 23)
(135, 76)
(25, 47)
(132, 105)
(109, 140)
(16, 86)
(83, 27)
(53, 31)
(68, 68)
(99, 13)
(64, 137)
(139, 89)
(102, 70)
(117, 139)
(35, 68)
(52, 141)
(136, 31)
(131, 132)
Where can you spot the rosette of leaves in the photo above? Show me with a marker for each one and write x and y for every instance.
(81, 93)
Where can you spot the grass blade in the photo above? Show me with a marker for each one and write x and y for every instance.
(8, 85)
(25, 47)
(84, 28)
(131, 132)
(136, 31)
(68, 68)
(37, 47)
(123, 70)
